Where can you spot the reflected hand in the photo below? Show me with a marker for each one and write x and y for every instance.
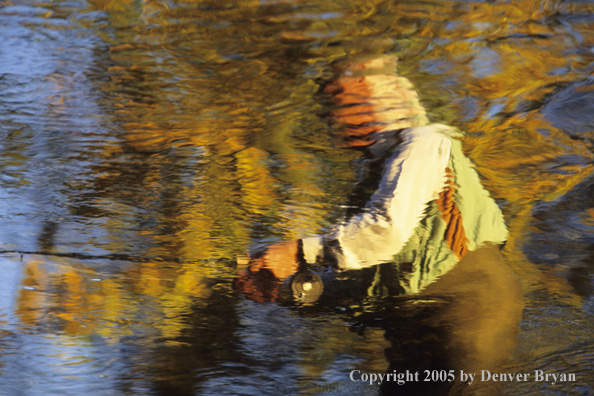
(280, 259)
(261, 280)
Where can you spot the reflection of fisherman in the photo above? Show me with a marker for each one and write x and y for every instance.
(429, 209)
(429, 233)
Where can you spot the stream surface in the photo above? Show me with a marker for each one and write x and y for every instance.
(144, 145)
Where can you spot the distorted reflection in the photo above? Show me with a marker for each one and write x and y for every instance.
(146, 144)
(429, 234)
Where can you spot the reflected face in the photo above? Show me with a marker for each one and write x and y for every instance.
(369, 97)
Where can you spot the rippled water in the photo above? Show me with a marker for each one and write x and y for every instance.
(145, 144)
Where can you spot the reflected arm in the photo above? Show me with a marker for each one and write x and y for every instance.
(414, 175)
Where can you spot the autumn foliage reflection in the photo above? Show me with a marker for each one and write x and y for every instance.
(220, 142)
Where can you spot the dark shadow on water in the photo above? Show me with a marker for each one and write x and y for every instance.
(468, 320)
(565, 239)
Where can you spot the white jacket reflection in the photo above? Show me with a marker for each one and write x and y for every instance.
(409, 219)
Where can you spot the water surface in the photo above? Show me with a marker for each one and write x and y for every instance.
(144, 145)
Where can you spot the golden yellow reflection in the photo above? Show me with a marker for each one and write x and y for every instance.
(235, 86)
(252, 166)
(79, 300)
